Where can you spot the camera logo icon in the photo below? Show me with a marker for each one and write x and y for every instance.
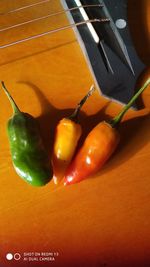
(16, 256)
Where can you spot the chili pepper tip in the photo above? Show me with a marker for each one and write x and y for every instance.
(115, 121)
(74, 115)
(13, 103)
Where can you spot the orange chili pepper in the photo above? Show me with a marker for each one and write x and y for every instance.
(99, 145)
(68, 132)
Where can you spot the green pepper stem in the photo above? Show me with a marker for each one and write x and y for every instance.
(13, 104)
(114, 122)
(74, 115)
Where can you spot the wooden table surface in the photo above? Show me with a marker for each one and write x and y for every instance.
(102, 221)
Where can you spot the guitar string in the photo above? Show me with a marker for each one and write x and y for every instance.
(86, 21)
(55, 30)
(49, 15)
(24, 7)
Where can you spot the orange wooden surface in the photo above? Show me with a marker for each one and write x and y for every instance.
(102, 221)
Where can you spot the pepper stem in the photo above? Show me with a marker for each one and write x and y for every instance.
(114, 122)
(13, 104)
(74, 115)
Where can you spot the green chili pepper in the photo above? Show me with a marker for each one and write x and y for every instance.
(29, 156)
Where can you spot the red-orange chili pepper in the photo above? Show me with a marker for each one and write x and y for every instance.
(99, 145)
(68, 132)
